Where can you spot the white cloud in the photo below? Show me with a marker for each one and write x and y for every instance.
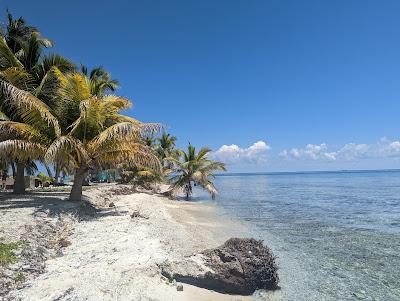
(348, 152)
(234, 154)
(310, 151)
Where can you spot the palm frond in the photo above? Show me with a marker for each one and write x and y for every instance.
(18, 130)
(7, 57)
(118, 131)
(31, 109)
(3, 117)
(21, 150)
(129, 153)
(67, 146)
(18, 78)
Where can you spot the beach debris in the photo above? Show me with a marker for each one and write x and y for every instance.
(111, 205)
(63, 242)
(179, 287)
(122, 190)
(239, 266)
(39, 242)
(137, 214)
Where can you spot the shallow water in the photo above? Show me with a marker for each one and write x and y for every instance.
(336, 234)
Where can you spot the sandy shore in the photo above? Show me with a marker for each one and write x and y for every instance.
(113, 256)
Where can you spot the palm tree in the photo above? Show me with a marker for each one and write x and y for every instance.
(99, 136)
(193, 168)
(101, 80)
(26, 136)
(166, 147)
(24, 67)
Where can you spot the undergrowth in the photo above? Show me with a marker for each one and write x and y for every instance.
(7, 255)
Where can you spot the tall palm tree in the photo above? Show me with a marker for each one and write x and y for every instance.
(95, 134)
(23, 65)
(193, 168)
(102, 82)
(16, 30)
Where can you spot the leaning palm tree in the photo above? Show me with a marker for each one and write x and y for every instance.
(99, 136)
(193, 168)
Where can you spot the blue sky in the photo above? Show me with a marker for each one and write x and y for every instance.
(315, 82)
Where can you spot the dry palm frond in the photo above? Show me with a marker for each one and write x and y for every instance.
(127, 152)
(116, 103)
(21, 149)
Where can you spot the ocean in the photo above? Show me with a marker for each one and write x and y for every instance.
(336, 234)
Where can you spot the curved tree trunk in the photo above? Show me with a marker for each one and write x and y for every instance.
(19, 182)
(76, 191)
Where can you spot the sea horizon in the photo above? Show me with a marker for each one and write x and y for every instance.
(308, 172)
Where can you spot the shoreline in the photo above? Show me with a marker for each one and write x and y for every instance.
(114, 256)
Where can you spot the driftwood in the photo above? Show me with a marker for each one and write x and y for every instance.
(239, 266)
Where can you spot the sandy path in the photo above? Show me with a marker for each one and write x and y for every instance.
(115, 257)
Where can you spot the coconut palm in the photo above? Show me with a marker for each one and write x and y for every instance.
(101, 80)
(26, 136)
(193, 168)
(99, 135)
(24, 67)
(166, 146)
(16, 30)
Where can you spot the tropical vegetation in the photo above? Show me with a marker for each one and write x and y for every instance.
(193, 168)
(68, 119)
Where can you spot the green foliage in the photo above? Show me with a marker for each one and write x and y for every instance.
(44, 179)
(165, 149)
(139, 176)
(6, 252)
(193, 168)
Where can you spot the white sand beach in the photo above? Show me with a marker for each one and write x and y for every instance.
(113, 256)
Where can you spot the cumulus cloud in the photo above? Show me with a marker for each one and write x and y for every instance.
(349, 152)
(234, 154)
(311, 151)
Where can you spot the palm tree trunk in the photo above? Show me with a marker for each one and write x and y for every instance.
(188, 190)
(19, 182)
(76, 191)
(58, 171)
(14, 172)
(49, 171)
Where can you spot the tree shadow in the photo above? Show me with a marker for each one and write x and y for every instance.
(55, 204)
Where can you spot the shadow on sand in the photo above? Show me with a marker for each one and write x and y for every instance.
(55, 203)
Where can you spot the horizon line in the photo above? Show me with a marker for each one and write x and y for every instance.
(309, 171)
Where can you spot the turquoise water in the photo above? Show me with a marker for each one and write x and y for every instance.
(336, 234)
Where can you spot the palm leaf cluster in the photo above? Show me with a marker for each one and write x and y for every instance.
(52, 112)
